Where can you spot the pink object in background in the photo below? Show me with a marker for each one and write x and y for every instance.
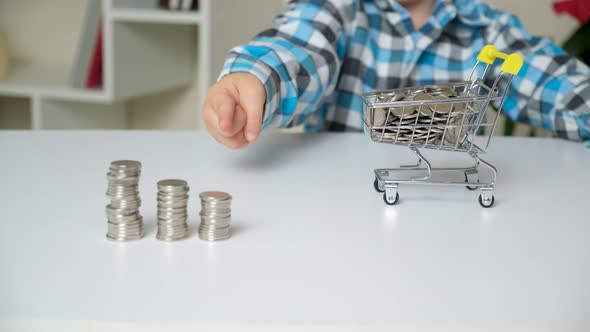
(579, 9)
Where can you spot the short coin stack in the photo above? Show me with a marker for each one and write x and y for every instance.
(124, 220)
(215, 216)
(172, 210)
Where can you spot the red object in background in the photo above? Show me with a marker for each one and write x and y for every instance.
(579, 9)
(94, 78)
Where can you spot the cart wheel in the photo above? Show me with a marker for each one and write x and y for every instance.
(376, 186)
(469, 187)
(486, 204)
(388, 202)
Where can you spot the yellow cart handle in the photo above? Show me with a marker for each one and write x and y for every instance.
(512, 62)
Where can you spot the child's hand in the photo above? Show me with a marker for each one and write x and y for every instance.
(233, 109)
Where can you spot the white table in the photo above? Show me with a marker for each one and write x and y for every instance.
(313, 242)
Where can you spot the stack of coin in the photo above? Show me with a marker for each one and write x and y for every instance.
(124, 221)
(172, 210)
(215, 216)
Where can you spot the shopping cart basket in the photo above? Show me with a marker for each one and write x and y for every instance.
(449, 117)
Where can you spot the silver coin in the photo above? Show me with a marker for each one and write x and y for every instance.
(178, 214)
(214, 225)
(124, 238)
(214, 238)
(122, 194)
(120, 176)
(172, 210)
(213, 230)
(169, 195)
(122, 187)
(214, 218)
(172, 203)
(125, 205)
(172, 220)
(177, 237)
(216, 204)
(117, 233)
(173, 227)
(122, 220)
(211, 221)
(173, 185)
(206, 211)
(215, 207)
(114, 175)
(124, 227)
(126, 164)
(214, 196)
(215, 215)
(136, 224)
(172, 232)
(114, 210)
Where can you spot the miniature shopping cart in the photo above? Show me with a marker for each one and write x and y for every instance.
(448, 117)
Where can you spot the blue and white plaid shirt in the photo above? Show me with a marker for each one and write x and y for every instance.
(321, 55)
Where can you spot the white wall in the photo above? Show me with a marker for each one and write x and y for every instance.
(42, 30)
(50, 29)
(538, 18)
(37, 32)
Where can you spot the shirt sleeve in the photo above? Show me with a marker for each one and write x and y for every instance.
(552, 90)
(298, 60)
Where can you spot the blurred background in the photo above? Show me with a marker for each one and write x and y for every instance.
(144, 64)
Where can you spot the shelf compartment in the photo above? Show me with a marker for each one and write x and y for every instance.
(15, 113)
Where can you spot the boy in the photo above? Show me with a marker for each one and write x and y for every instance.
(321, 55)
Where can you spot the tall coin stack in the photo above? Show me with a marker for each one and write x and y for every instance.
(172, 210)
(215, 216)
(125, 223)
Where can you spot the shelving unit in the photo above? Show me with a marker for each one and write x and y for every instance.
(146, 50)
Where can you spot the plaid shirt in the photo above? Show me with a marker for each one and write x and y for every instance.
(321, 55)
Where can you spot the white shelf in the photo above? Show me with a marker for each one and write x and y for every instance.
(151, 15)
(28, 79)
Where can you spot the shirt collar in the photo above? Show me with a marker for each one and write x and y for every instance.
(469, 12)
(472, 12)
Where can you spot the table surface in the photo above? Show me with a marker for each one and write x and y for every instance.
(312, 240)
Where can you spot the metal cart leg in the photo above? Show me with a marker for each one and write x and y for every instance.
(471, 176)
(422, 159)
(416, 165)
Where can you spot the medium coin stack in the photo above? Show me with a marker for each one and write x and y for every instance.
(125, 223)
(172, 210)
(215, 216)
